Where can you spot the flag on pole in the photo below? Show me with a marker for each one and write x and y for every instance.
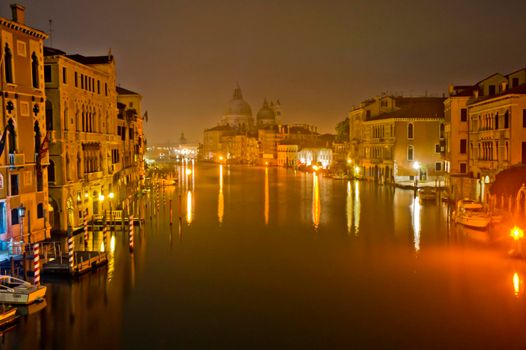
(146, 116)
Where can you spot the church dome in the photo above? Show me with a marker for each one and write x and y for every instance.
(266, 113)
(238, 106)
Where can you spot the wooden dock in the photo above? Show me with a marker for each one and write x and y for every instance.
(84, 261)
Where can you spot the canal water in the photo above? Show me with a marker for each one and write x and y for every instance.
(273, 258)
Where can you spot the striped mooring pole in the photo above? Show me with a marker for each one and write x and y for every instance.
(131, 233)
(71, 247)
(36, 264)
(86, 233)
(105, 233)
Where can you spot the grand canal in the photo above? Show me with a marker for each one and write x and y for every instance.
(272, 258)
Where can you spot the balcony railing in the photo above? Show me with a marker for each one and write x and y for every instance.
(17, 159)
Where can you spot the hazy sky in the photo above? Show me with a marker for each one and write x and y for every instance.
(319, 58)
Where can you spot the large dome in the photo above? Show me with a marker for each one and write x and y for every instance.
(266, 113)
(238, 106)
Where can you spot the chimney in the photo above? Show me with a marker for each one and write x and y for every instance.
(476, 93)
(504, 86)
(18, 12)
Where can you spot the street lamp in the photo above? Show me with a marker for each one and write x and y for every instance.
(111, 195)
(21, 214)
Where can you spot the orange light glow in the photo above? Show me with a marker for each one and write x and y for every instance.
(516, 233)
(516, 283)
(316, 202)
(315, 168)
(267, 200)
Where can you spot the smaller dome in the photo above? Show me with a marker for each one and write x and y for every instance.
(266, 113)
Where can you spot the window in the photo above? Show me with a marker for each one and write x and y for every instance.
(51, 171)
(437, 148)
(438, 166)
(463, 168)
(515, 82)
(3, 218)
(14, 216)
(442, 130)
(130, 133)
(524, 118)
(40, 210)
(463, 115)
(76, 78)
(49, 115)
(410, 131)
(463, 146)
(506, 120)
(82, 81)
(491, 90)
(496, 121)
(34, 71)
(14, 184)
(8, 65)
(64, 75)
(105, 89)
(410, 152)
(98, 87)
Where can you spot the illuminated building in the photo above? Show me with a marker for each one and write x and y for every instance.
(23, 171)
(127, 159)
(388, 134)
(81, 113)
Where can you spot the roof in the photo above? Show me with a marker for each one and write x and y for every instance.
(462, 90)
(415, 107)
(91, 59)
(521, 89)
(50, 51)
(123, 91)
(221, 128)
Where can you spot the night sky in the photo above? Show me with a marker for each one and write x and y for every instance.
(319, 58)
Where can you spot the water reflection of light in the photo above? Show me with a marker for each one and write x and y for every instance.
(315, 201)
(111, 258)
(220, 199)
(356, 208)
(193, 175)
(349, 208)
(416, 222)
(516, 284)
(189, 207)
(112, 244)
(267, 204)
(101, 246)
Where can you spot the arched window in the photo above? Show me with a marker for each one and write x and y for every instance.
(79, 174)
(38, 136)
(410, 131)
(410, 152)
(442, 130)
(34, 70)
(12, 136)
(8, 64)
(51, 171)
(49, 115)
(506, 120)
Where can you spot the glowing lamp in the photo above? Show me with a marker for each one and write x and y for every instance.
(516, 233)
(111, 195)
(101, 197)
(315, 168)
(416, 165)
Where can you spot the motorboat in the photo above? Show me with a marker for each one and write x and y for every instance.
(16, 291)
(427, 194)
(7, 315)
(471, 214)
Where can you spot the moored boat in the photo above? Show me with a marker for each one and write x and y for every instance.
(16, 291)
(427, 194)
(471, 214)
(7, 316)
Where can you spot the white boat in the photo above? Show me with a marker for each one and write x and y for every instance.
(471, 214)
(16, 291)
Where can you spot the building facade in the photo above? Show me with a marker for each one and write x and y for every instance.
(23, 157)
(81, 115)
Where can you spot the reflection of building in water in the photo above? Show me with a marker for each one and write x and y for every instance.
(315, 201)
(353, 208)
(415, 214)
(220, 199)
(189, 207)
(267, 200)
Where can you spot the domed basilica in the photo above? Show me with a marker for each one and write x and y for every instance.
(239, 113)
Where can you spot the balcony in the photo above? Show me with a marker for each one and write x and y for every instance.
(93, 176)
(17, 159)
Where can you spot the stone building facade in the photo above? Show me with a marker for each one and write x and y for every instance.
(23, 157)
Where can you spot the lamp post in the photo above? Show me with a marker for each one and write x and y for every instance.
(110, 196)
(21, 214)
